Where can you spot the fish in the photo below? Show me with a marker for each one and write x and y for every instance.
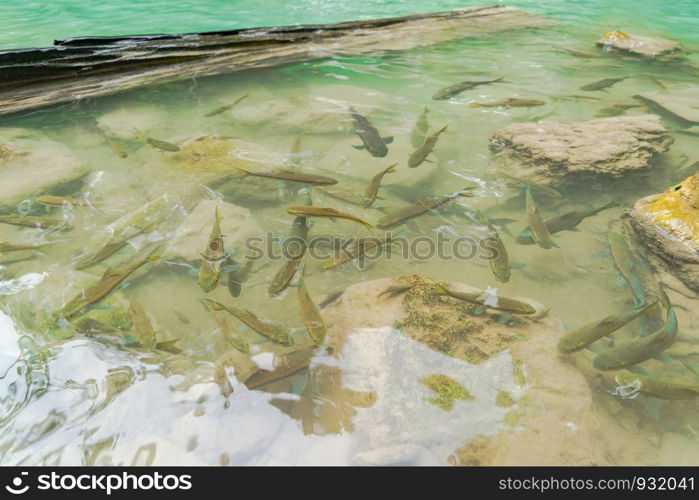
(136, 223)
(31, 221)
(657, 82)
(396, 217)
(315, 325)
(165, 146)
(658, 387)
(540, 232)
(183, 319)
(421, 153)
(90, 326)
(452, 90)
(237, 277)
(624, 264)
(500, 263)
(225, 107)
(332, 297)
(59, 201)
(333, 213)
(615, 110)
(419, 132)
(141, 325)
(510, 102)
(238, 342)
(6, 247)
(168, 346)
(213, 257)
(373, 188)
(346, 196)
(602, 84)
(356, 250)
(281, 280)
(372, 140)
(563, 222)
(503, 303)
(274, 332)
(587, 334)
(547, 190)
(118, 150)
(292, 175)
(577, 53)
(639, 349)
(109, 281)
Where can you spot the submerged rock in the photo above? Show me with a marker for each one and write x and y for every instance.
(668, 224)
(643, 46)
(556, 153)
(679, 103)
(190, 239)
(32, 165)
(122, 123)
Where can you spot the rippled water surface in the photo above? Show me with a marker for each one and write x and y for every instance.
(75, 394)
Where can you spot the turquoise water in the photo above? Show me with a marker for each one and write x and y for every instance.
(33, 24)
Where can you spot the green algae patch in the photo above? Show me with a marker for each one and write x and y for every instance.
(447, 391)
(504, 400)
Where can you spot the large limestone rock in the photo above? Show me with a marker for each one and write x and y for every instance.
(679, 103)
(668, 224)
(642, 46)
(557, 153)
(32, 164)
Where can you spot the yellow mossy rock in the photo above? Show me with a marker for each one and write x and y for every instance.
(677, 211)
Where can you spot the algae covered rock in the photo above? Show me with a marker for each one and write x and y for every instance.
(637, 45)
(668, 224)
(31, 165)
(558, 153)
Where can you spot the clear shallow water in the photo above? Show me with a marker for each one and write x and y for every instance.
(37, 24)
(70, 398)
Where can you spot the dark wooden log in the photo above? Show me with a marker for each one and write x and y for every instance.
(89, 67)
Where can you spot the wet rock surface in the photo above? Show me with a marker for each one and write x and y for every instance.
(643, 46)
(559, 153)
(23, 154)
(668, 224)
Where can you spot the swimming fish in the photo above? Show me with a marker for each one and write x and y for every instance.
(292, 175)
(59, 201)
(639, 349)
(165, 146)
(372, 140)
(6, 247)
(109, 281)
(510, 102)
(333, 213)
(315, 325)
(373, 188)
(213, 257)
(482, 298)
(295, 254)
(141, 325)
(237, 277)
(602, 84)
(31, 221)
(615, 110)
(540, 232)
(563, 222)
(274, 332)
(422, 126)
(624, 263)
(500, 263)
(224, 108)
(587, 334)
(401, 215)
(118, 149)
(239, 342)
(421, 153)
(356, 250)
(452, 90)
(663, 388)
(332, 297)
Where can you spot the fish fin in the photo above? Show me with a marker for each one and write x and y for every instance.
(428, 161)
(388, 140)
(664, 357)
(110, 271)
(361, 148)
(654, 407)
(517, 266)
(639, 370)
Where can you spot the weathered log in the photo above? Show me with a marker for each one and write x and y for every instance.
(88, 67)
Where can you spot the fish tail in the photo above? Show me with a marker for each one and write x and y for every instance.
(365, 224)
(141, 136)
(442, 129)
(391, 169)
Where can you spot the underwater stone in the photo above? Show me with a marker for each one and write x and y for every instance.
(190, 239)
(638, 45)
(32, 165)
(556, 153)
(121, 123)
(668, 224)
(680, 103)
